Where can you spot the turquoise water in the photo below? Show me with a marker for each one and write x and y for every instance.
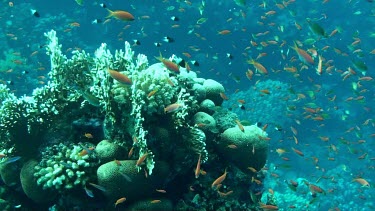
(329, 117)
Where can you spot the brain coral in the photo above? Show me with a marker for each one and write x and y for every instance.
(122, 179)
(246, 148)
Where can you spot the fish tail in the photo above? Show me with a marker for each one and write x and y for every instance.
(110, 13)
(160, 58)
(250, 61)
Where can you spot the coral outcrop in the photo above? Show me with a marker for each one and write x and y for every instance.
(162, 130)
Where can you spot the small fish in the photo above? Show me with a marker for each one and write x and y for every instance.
(88, 135)
(103, 5)
(120, 15)
(224, 96)
(298, 152)
(161, 191)
(268, 206)
(224, 32)
(83, 152)
(198, 168)
(280, 151)
(89, 192)
(155, 201)
(319, 69)
(220, 179)
(130, 152)
(240, 126)
(258, 66)
(157, 44)
(98, 187)
(93, 100)
(11, 160)
(265, 91)
(303, 55)
(232, 146)
(35, 13)
(168, 39)
(168, 64)
(152, 93)
(120, 200)
(141, 159)
(96, 21)
(252, 169)
(172, 108)
(136, 42)
(195, 63)
(174, 18)
(361, 181)
(119, 77)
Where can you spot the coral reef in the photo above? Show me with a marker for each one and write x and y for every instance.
(115, 126)
(272, 96)
(65, 166)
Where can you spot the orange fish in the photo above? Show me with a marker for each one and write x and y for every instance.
(268, 207)
(315, 189)
(298, 152)
(365, 78)
(249, 74)
(232, 146)
(265, 91)
(130, 152)
(293, 130)
(240, 125)
(198, 168)
(141, 159)
(256, 180)
(169, 64)
(120, 200)
(75, 24)
(152, 93)
(361, 181)
(119, 77)
(88, 135)
(120, 15)
(252, 169)
(258, 66)
(220, 179)
(172, 108)
(303, 55)
(155, 201)
(280, 151)
(224, 32)
(224, 96)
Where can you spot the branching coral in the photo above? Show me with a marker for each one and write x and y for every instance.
(65, 166)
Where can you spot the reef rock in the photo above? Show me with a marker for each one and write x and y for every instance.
(246, 148)
(31, 187)
(122, 179)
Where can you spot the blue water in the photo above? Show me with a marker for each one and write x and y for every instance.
(346, 105)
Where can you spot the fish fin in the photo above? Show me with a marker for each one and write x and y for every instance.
(110, 13)
(160, 58)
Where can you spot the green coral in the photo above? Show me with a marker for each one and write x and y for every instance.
(65, 167)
